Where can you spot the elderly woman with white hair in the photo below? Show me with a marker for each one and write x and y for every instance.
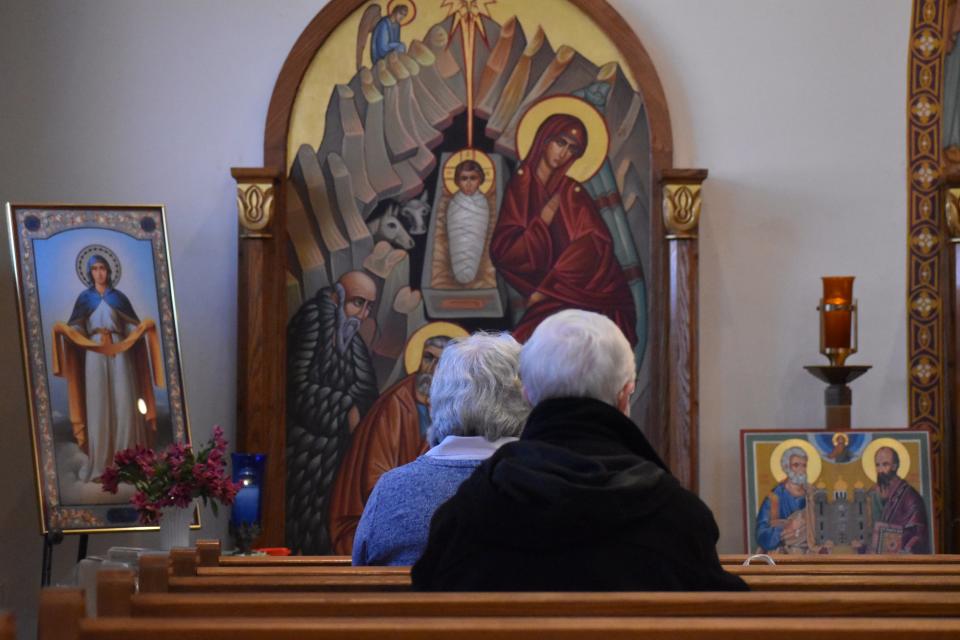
(581, 502)
(476, 406)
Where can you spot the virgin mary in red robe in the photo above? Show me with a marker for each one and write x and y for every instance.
(550, 243)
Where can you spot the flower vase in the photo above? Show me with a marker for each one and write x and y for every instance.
(175, 527)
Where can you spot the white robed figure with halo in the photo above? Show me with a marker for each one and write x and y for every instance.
(111, 360)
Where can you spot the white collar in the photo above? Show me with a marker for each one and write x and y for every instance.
(466, 448)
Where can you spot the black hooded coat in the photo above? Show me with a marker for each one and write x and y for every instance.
(581, 502)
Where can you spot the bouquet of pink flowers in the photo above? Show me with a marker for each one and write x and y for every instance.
(173, 477)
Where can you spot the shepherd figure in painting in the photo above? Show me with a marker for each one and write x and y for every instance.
(103, 352)
(393, 433)
(550, 243)
(331, 384)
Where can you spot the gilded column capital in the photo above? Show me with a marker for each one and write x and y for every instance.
(681, 189)
(256, 200)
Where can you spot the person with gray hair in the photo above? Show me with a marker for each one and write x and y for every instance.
(782, 521)
(581, 502)
(476, 406)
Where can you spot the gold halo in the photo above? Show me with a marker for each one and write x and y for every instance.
(116, 269)
(839, 434)
(598, 138)
(813, 459)
(870, 465)
(449, 169)
(411, 10)
(414, 351)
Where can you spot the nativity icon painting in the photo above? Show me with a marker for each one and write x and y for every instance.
(843, 492)
(100, 347)
(453, 166)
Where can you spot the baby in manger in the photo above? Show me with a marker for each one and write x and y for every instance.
(468, 217)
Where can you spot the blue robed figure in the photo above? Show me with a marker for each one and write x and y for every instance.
(107, 354)
(386, 35)
(781, 521)
(780, 504)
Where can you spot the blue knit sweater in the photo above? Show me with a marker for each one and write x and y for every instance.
(396, 519)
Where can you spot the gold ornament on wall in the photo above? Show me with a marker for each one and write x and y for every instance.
(255, 202)
(681, 210)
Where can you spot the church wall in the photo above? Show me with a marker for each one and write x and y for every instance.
(796, 109)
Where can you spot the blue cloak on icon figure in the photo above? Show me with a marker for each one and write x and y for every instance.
(111, 361)
(386, 39)
(90, 299)
(780, 504)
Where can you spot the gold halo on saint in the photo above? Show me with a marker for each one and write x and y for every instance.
(814, 463)
(867, 458)
(598, 138)
(840, 435)
(414, 351)
(85, 254)
(450, 169)
(411, 10)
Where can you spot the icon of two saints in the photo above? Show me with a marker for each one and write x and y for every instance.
(800, 517)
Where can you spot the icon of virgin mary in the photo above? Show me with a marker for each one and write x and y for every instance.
(107, 355)
(550, 243)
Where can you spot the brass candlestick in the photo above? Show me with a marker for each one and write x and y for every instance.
(838, 319)
(838, 340)
(838, 397)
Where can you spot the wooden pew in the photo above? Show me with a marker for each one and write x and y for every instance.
(840, 582)
(61, 615)
(295, 570)
(761, 578)
(209, 555)
(116, 597)
(285, 561)
(790, 569)
(160, 574)
(846, 569)
(802, 604)
(549, 628)
(781, 559)
(829, 582)
(515, 628)
(207, 584)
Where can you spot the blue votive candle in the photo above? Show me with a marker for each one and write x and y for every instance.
(246, 506)
(248, 473)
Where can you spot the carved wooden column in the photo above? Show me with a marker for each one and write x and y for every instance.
(260, 337)
(681, 217)
(950, 542)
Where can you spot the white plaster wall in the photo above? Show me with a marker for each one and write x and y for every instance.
(798, 111)
(796, 108)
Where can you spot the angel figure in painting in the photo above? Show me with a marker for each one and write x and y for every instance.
(550, 243)
(107, 355)
(384, 32)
